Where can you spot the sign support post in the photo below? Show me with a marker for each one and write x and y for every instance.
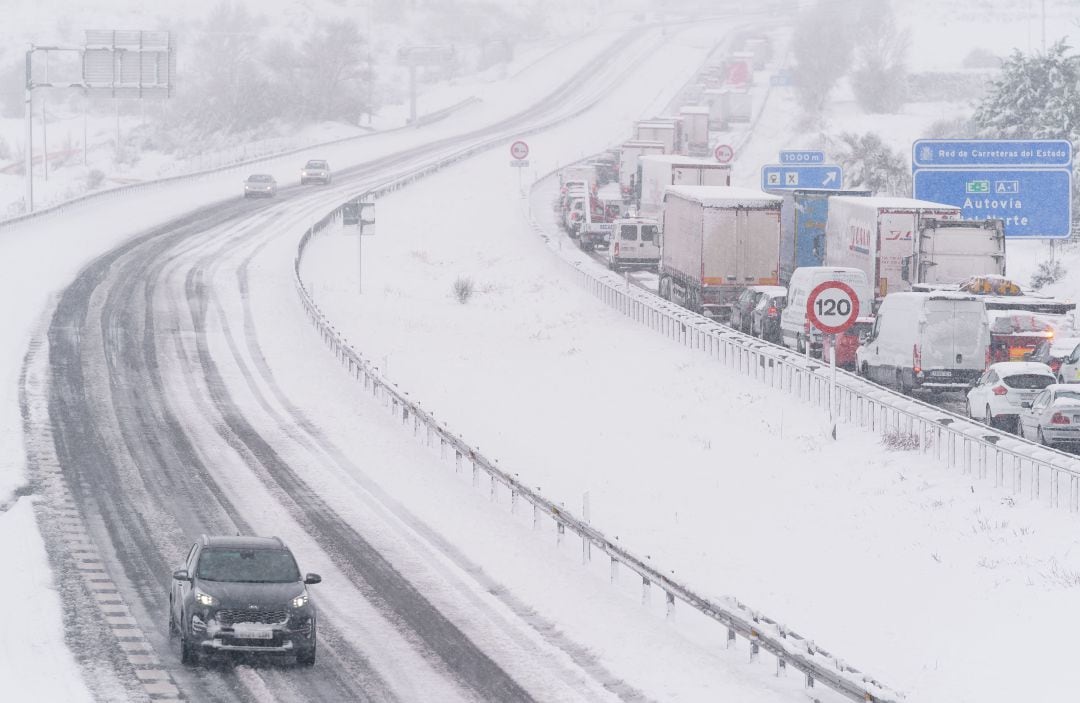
(519, 152)
(831, 307)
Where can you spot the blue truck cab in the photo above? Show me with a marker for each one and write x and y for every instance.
(802, 228)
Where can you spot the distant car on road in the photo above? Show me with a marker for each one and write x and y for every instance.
(998, 397)
(242, 594)
(1053, 352)
(260, 185)
(315, 171)
(1053, 418)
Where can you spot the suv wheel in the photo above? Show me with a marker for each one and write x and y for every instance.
(306, 656)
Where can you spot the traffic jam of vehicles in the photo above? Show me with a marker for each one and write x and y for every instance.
(921, 288)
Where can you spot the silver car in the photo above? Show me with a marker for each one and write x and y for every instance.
(315, 171)
(260, 185)
(1053, 418)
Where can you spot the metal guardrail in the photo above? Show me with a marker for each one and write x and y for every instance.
(1050, 476)
(790, 649)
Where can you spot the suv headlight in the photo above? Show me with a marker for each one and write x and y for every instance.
(204, 598)
(300, 601)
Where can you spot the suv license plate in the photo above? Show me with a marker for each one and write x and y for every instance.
(941, 374)
(253, 633)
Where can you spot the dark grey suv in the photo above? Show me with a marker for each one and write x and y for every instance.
(242, 594)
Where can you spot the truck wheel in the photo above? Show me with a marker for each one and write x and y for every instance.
(664, 288)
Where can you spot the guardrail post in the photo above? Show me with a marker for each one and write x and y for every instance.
(536, 516)
(614, 570)
(560, 530)
(457, 462)
(475, 474)
(494, 489)
(730, 642)
(646, 591)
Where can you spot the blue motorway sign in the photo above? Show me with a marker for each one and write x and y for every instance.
(1033, 202)
(982, 153)
(802, 156)
(784, 177)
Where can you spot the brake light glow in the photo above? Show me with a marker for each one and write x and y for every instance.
(916, 358)
(988, 361)
(1059, 419)
(1000, 390)
(772, 311)
(616, 248)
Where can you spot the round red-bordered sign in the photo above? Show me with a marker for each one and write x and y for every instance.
(519, 150)
(724, 153)
(832, 307)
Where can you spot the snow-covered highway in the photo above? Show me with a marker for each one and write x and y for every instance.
(157, 411)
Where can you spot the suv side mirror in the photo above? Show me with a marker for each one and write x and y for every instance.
(311, 579)
(181, 575)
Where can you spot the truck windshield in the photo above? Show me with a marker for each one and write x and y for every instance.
(648, 233)
(248, 566)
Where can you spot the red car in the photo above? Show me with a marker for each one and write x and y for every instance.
(848, 343)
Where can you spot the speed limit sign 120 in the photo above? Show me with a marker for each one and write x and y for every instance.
(519, 150)
(832, 307)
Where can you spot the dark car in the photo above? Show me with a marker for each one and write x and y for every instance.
(242, 594)
(260, 185)
(315, 171)
(1054, 351)
(765, 317)
(744, 305)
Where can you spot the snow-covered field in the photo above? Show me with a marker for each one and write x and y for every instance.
(920, 577)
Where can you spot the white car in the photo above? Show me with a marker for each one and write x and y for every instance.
(1053, 418)
(997, 398)
(1069, 371)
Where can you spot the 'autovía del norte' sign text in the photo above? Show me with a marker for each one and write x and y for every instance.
(1025, 183)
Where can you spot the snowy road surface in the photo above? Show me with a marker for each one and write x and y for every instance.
(153, 415)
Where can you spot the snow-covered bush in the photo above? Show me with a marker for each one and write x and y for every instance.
(463, 289)
(1047, 272)
(821, 46)
(900, 441)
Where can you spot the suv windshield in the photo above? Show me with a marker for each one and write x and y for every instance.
(248, 565)
(260, 179)
(316, 164)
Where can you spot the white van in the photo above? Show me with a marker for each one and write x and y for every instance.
(937, 341)
(795, 328)
(635, 243)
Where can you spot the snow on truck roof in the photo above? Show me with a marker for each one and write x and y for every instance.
(694, 110)
(724, 196)
(896, 203)
(687, 160)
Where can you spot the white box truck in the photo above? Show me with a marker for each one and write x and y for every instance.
(629, 153)
(716, 241)
(665, 131)
(696, 125)
(952, 251)
(657, 172)
(877, 234)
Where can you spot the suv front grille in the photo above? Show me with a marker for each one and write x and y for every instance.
(230, 617)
